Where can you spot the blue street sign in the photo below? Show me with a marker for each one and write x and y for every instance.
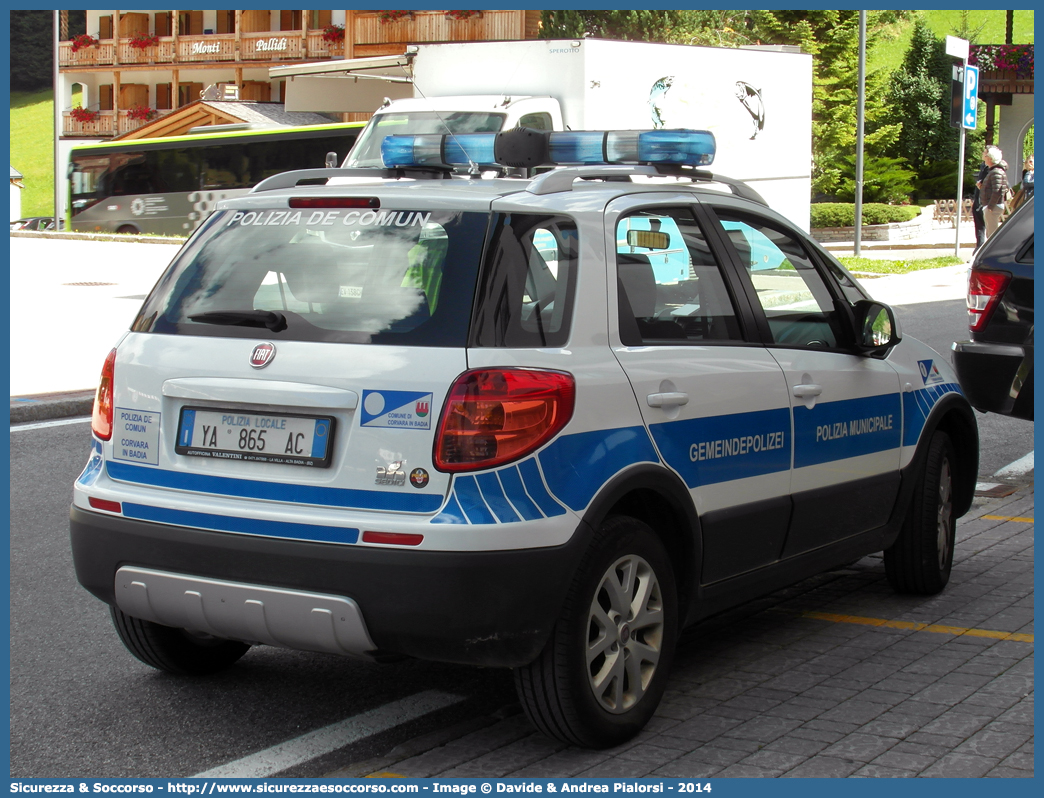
(971, 97)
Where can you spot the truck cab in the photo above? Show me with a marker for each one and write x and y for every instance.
(489, 113)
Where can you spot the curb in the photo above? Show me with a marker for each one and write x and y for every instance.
(44, 407)
(120, 237)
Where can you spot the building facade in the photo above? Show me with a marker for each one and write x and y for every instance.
(134, 66)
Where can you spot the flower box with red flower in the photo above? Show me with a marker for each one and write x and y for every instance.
(84, 115)
(463, 15)
(393, 16)
(333, 34)
(143, 41)
(83, 41)
(141, 113)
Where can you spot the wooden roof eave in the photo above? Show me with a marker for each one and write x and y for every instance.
(178, 123)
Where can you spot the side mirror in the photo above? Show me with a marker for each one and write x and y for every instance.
(876, 330)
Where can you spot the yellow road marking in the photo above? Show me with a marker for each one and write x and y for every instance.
(1008, 518)
(919, 627)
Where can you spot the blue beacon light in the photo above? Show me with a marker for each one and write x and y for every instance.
(523, 147)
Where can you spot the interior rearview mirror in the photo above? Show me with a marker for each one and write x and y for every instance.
(648, 239)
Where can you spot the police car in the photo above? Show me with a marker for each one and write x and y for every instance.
(537, 422)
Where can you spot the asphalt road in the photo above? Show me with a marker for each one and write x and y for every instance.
(82, 706)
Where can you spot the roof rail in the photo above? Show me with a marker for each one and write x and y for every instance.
(295, 178)
(562, 179)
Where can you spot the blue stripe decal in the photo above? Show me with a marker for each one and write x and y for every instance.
(516, 493)
(247, 526)
(451, 513)
(535, 488)
(848, 428)
(495, 498)
(577, 466)
(705, 451)
(917, 405)
(93, 469)
(466, 489)
(275, 491)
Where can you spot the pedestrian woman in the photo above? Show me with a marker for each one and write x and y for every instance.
(994, 189)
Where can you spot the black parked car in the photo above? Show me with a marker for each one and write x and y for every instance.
(36, 223)
(995, 367)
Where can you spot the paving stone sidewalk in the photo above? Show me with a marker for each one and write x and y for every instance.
(808, 682)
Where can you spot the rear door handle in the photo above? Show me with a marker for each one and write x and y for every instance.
(807, 392)
(671, 399)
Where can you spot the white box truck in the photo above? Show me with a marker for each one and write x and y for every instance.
(756, 101)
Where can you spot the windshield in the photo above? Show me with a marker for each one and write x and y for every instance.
(343, 275)
(367, 150)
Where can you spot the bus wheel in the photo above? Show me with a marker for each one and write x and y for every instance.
(128, 229)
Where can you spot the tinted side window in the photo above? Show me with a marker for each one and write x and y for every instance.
(525, 297)
(796, 301)
(670, 285)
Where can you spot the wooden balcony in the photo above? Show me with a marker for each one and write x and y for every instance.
(1000, 81)
(107, 125)
(367, 34)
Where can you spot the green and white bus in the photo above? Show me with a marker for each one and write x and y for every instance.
(168, 186)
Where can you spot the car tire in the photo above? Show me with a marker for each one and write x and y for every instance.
(603, 672)
(921, 558)
(176, 651)
(128, 229)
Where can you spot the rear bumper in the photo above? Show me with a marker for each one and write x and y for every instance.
(483, 608)
(997, 378)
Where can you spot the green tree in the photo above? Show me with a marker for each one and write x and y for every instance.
(32, 45)
(640, 26)
(832, 38)
(31, 50)
(919, 95)
(701, 27)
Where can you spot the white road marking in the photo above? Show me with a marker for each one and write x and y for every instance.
(1021, 466)
(330, 738)
(44, 424)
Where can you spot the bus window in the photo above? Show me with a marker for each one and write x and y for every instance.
(85, 177)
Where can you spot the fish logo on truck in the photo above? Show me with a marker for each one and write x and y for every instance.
(676, 104)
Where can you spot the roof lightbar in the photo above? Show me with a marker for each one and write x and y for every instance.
(526, 148)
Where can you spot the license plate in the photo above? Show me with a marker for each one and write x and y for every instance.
(257, 437)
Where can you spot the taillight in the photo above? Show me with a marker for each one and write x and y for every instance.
(984, 293)
(493, 416)
(101, 421)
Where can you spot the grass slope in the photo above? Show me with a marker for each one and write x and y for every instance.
(32, 149)
(978, 26)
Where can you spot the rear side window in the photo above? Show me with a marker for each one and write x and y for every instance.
(354, 276)
(525, 296)
(670, 287)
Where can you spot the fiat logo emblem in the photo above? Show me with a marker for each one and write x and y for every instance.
(262, 355)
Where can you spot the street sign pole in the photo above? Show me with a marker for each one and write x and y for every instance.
(960, 197)
(968, 121)
(959, 48)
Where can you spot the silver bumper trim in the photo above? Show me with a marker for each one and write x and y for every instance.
(251, 613)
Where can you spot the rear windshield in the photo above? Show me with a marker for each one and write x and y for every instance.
(401, 277)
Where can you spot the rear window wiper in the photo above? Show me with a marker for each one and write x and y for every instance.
(273, 320)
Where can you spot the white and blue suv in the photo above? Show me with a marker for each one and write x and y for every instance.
(542, 423)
